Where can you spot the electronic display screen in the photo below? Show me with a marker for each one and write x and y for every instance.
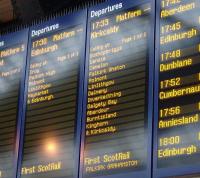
(116, 119)
(12, 60)
(178, 67)
(52, 101)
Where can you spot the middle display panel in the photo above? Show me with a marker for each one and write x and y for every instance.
(53, 103)
(117, 122)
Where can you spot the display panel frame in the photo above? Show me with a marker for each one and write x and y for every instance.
(9, 40)
(173, 171)
(65, 21)
(126, 5)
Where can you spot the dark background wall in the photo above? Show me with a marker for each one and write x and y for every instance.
(15, 14)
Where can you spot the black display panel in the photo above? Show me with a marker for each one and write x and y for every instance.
(51, 143)
(12, 61)
(177, 139)
(117, 74)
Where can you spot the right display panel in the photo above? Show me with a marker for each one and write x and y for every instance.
(177, 99)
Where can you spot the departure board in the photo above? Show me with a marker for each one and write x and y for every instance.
(177, 106)
(117, 74)
(12, 62)
(56, 56)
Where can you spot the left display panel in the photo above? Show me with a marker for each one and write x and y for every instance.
(51, 139)
(13, 48)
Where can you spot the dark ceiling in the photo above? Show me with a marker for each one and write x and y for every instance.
(17, 12)
(52, 5)
(6, 11)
